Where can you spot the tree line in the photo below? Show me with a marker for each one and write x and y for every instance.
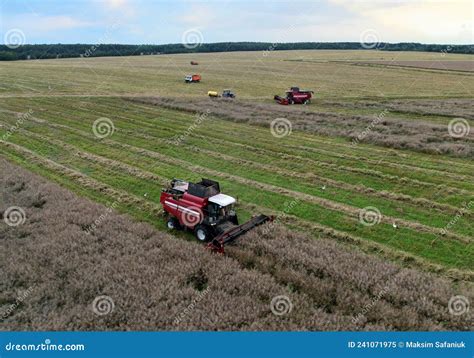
(46, 51)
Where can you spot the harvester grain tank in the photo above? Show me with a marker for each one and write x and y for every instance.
(202, 208)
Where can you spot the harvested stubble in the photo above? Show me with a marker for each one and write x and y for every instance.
(387, 131)
(195, 168)
(464, 66)
(153, 278)
(453, 107)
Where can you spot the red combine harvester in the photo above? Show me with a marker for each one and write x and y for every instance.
(201, 207)
(295, 96)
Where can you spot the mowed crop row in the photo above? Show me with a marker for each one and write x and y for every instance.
(427, 203)
(384, 171)
(257, 168)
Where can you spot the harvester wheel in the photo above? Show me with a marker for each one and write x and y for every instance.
(173, 224)
(202, 233)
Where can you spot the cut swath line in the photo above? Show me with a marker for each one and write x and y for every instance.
(95, 185)
(347, 209)
(86, 181)
(332, 166)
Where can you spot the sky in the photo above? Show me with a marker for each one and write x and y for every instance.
(204, 21)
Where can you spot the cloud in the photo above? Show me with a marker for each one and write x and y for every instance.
(124, 7)
(198, 16)
(420, 20)
(61, 22)
(164, 21)
(32, 23)
(115, 4)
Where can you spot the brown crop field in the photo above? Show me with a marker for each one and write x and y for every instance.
(371, 187)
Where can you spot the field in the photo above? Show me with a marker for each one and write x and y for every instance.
(260, 75)
(434, 65)
(153, 281)
(370, 166)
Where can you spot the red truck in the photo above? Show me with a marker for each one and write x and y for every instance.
(295, 96)
(192, 78)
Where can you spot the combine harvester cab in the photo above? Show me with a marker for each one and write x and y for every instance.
(202, 208)
(295, 96)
